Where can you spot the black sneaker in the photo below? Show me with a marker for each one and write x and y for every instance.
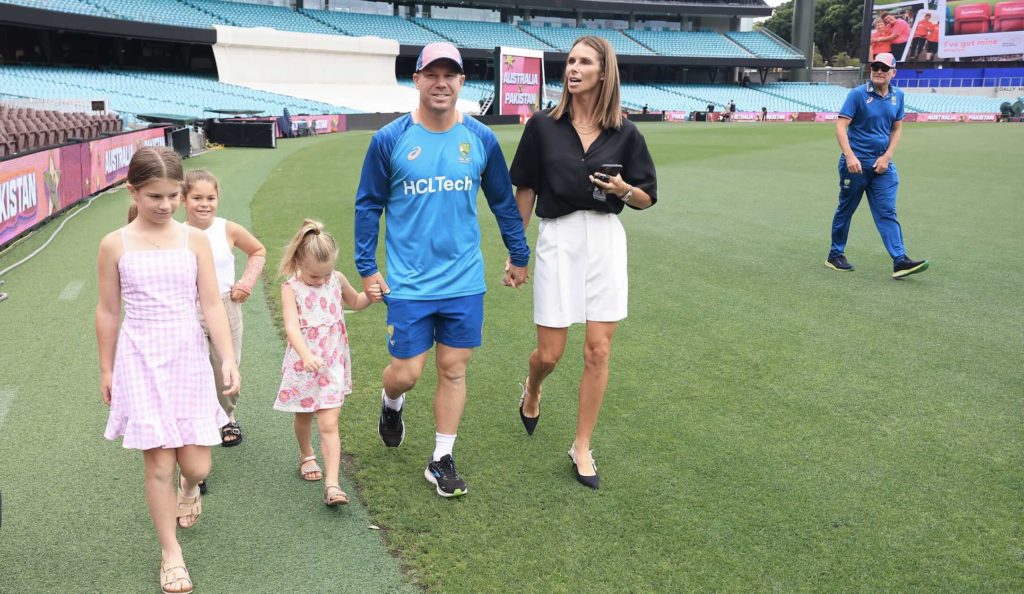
(838, 263)
(904, 266)
(391, 428)
(442, 474)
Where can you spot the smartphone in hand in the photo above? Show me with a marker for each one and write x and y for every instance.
(607, 171)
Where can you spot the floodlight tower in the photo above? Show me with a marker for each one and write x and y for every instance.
(803, 36)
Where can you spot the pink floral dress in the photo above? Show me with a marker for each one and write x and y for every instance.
(322, 322)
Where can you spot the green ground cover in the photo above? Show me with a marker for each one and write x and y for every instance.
(770, 424)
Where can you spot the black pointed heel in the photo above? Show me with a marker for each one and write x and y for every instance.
(529, 422)
(592, 481)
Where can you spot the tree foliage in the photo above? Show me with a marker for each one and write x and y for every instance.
(837, 26)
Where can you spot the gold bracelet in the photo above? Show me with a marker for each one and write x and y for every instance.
(628, 195)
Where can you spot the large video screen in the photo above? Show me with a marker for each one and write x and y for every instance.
(923, 31)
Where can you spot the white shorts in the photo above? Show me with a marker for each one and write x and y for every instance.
(580, 270)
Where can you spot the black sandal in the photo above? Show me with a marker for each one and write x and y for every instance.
(231, 428)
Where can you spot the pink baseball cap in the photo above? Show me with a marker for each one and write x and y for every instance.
(438, 51)
(885, 58)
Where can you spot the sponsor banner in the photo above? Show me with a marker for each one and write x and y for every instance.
(823, 116)
(755, 116)
(109, 157)
(520, 81)
(677, 116)
(37, 186)
(952, 117)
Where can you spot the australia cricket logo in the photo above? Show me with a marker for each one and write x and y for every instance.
(464, 152)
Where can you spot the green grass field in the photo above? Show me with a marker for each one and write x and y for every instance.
(770, 425)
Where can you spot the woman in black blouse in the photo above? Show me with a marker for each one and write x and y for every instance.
(580, 269)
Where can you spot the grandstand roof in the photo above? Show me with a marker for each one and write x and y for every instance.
(673, 8)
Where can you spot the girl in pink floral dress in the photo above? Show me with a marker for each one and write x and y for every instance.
(317, 369)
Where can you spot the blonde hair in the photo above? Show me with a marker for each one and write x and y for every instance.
(200, 175)
(609, 104)
(312, 241)
(151, 163)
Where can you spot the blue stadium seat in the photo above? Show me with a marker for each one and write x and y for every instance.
(481, 34)
(132, 93)
(387, 27)
(562, 38)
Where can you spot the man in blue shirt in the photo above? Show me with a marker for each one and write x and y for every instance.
(423, 171)
(868, 129)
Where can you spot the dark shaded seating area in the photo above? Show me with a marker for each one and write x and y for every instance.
(24, 129)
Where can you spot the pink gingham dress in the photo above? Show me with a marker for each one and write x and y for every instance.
(322, 322)
(163, 393)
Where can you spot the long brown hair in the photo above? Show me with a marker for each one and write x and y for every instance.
(200, 175)
(151, 163)
(311, 241)
(609, 104)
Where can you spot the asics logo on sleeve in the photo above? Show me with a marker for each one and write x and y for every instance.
(440, 183)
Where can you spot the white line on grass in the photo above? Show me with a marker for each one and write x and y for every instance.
(70, 292)
(6, 396)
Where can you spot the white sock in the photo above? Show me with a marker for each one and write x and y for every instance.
(443, 445)
(393, 403)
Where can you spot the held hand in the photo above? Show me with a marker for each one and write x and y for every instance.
(312, 363)
(515, 276)
(238, 295)
(382, 286)
(610, 185)
(376, 293)
(106, 381)
(853, 165)
(232, 378)
(881, 164)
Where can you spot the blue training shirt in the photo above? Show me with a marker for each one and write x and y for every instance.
(871, 118)
(426, 184)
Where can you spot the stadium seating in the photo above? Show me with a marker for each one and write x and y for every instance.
(971, 18)
(703, 44)
(937, 103)
(1009, 16)
(164, 12)
(259, 15)
(562, 38)
(71, 6)
(386, 27)
(26, 129)
(134, 93)
(481, 35)
(763, 45)
(809, 96)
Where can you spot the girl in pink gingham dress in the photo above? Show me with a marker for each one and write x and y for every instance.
(317, 370)
(155, 373)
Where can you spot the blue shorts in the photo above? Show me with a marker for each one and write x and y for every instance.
(414, 326)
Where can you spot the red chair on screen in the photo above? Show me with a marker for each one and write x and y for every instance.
(971, 18)
(1009, 17)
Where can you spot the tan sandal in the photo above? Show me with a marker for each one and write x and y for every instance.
(333, 495)
(189, 507)
(170, 575)
(312, 467)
